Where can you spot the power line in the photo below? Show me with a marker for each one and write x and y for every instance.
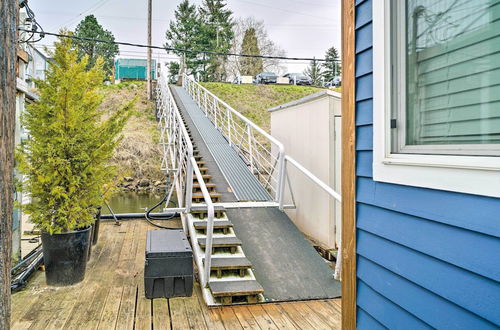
(192, 51)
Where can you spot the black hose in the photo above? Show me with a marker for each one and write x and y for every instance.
(149, 218)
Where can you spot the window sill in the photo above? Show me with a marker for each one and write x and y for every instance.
(446, 161)
(470, 175)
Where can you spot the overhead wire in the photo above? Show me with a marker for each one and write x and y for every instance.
(181, 50)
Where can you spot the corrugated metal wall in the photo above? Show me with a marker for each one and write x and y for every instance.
(426, 258)
(133, 68)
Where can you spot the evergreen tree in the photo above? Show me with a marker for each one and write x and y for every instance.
(184, 33)
(173, 72)
(314, 72)
(331, 67)
(90, 28)
(216, 35)
(66, 159)
(250, 66)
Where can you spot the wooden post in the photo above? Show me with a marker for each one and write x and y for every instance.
(8, 16)
(348, 168)
(148, 73)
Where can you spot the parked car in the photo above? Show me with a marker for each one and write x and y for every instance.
(335, 82)
(266, 78)
(298, 79)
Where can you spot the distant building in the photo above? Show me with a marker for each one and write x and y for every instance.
(31, 65)
(133, 69)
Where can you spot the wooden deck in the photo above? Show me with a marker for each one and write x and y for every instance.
(112, 297)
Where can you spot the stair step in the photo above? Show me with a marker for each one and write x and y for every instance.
(198, 198)
(200, 163)
(203, 170)
(203, 213)
(226, 290)
(221, 242)
(206, 178)
(224, 225)
(198, 157)
(238, 264)
(210, 187)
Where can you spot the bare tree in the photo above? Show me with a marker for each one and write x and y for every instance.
(8, 16)
(266, 46)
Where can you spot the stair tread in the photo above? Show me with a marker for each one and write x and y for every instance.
(220, 242)
(235, 288)
(217, 224)
(229, 263)
(200, 195)
(203, 209)
(204, 176)
(208, 185)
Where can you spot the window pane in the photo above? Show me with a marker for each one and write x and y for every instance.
(452, 72)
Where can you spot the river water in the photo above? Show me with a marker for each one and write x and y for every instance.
(133, 202)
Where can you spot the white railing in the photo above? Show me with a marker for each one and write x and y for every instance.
(264, 155)
(178, 158)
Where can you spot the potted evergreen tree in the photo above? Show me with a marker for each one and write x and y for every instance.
(66, 160)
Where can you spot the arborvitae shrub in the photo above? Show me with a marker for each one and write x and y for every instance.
(66, 159)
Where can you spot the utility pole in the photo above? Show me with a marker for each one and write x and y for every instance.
(8, 33)
(148, 74)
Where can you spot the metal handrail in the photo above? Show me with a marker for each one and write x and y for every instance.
(232, 130)
(227, 125)
(313, 178)
(178, 155)
(210, 222)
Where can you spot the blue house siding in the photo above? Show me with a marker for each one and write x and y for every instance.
(426, 258)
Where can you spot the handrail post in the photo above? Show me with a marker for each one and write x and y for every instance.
(250, 149)
(189, 182)
(281, 179)
(208, 246)
(229, 126)
(215, 112)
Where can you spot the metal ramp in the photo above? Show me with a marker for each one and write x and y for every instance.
(243, 183)
(242, 242)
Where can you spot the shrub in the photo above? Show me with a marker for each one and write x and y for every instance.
(66, 158)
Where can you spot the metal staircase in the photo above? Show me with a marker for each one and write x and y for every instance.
(225, 272)
(253, 164)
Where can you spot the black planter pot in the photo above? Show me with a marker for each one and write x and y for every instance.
(95, 227)
(65, 256)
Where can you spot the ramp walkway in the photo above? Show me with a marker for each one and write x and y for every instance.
(234, 169)
(282, 260)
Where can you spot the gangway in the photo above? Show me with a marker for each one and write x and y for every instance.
(230, 178)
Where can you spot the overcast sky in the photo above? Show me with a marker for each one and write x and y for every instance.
(303, 28)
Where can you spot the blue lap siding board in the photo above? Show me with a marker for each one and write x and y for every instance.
(426, 258)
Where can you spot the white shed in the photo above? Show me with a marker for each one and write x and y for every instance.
(310, 130)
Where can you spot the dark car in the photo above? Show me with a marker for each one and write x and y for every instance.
(298, 79)
(266, 78)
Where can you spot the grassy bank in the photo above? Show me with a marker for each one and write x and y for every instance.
(138, 156)
(254, 100)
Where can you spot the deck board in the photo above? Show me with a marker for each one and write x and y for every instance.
(112, 297)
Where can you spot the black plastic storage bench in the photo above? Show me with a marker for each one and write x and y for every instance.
(168, 270)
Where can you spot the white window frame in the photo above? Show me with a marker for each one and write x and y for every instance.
(478, 175)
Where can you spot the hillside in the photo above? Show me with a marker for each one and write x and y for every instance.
(254, 100)
(138, 156)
